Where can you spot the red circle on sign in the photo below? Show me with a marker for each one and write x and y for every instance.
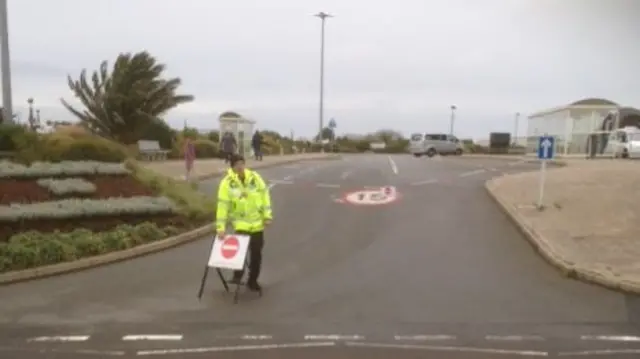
(229, 247)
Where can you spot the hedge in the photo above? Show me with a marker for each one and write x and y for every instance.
(33, 249)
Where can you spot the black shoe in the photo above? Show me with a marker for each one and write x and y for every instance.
(254, 287)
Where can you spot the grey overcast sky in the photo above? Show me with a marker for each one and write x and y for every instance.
(389, 64)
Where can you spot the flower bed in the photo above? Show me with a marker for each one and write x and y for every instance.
(64, 211)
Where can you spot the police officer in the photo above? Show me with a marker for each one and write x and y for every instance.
(244, 200)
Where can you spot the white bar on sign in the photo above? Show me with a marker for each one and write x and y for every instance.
(229, 247)
(152, 337)
(68, 338)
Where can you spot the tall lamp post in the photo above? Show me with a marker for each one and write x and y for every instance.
(452, 120)
(515, 129)
(323, 16)
(7, 101)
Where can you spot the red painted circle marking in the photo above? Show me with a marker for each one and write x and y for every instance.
(229, 247)
(363, 197)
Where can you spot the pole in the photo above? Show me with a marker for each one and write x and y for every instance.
(452, 120)
(515, 129)
(323, 16)
(543, 172)
(5, 58)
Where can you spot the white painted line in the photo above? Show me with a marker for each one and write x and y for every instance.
(281, 182)
(233, 348)
(98, 352)
(471, 173)
(424, 182)
(272, 185)
(493, 169)
(514, 338)
(256, 337)
(68, 338)
(612, 338)
(424, 337)
(393, 165)
(288, 178)
(344, 175)
(327, 185)
(450, 349)
(600, 352)
(153, 336)
(333, 337)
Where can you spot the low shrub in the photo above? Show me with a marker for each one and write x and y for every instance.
(205, 149)
(33, 249)
(193, 204)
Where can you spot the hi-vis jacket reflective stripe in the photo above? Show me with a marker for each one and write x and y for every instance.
(245, 204)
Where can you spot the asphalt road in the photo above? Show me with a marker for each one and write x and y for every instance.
(439, 273)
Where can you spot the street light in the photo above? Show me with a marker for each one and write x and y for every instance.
(7, 102)
(323, 16)
(515, 129)
(453, 119)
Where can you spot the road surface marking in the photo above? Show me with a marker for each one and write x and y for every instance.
(332, 337)
(97, 352)
(600, 352)
(281, 182)
(471, 173)
(513, 337)
(613, 338)
(153, 336)
(69, 338)
(344, 175)
(233, 348)
(450, 349)
(429, 181)
(393, 165)
(288, 178)
(493, 169)
(327, 185)
(424, 337)
(256, 337)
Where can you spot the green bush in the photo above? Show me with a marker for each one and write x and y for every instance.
(33, 249)
(205, 149)
(14, 137)
(87, 149)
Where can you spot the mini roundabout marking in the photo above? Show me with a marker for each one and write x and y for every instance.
(370, 197)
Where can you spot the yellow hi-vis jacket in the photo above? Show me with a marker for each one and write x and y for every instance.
(245, 204)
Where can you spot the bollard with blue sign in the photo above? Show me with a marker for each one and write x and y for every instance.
(546, 151)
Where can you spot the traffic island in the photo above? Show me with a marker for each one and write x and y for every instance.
(590, 222)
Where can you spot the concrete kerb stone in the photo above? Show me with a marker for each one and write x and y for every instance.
(542, 246)
(118, 256)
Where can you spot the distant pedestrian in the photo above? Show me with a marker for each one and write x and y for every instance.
(228, 146)
(189, 157)
(256, 143)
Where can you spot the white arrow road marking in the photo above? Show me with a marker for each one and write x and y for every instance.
(68, 338)
(233, 348)
(450, 349)
(152, 337)
(393, 165)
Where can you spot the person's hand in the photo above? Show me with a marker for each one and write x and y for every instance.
(267, 222)
(220, 235)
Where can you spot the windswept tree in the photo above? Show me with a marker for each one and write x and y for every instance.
(121, 103)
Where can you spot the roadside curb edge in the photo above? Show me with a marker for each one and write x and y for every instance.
(540, 244)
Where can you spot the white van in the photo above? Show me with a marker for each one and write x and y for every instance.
(431, 144)
(624, 143)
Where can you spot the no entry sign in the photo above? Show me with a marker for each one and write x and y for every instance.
(229, 247)
(371, 197)
(229, 253)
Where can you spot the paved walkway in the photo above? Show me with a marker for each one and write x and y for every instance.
(207, 167)
(592, 217)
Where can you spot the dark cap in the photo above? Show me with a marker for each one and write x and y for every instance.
(235, 159)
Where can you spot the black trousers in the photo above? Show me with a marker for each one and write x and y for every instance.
(256, 243)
